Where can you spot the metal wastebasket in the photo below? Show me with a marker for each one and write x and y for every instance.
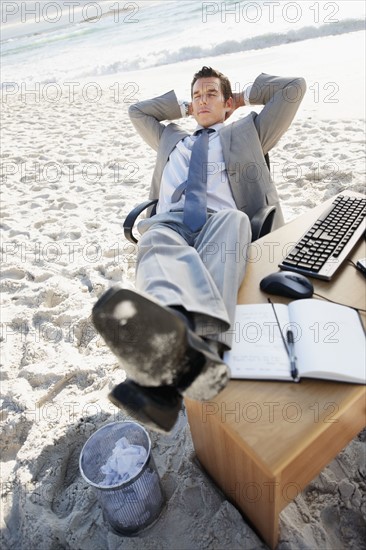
(131, 497)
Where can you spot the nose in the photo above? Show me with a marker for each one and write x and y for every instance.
(203, 99)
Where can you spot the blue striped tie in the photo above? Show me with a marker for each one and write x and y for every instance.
(195, 206)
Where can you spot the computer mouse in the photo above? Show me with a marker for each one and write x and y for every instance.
(288, 284)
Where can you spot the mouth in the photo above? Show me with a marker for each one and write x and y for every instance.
(203, 111)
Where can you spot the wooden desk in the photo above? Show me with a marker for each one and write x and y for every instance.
(263, 442)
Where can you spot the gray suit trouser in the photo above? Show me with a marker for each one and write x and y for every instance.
(200, 271)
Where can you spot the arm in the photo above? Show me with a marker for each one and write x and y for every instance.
(147, 116)
(240, 99)
(281, 98)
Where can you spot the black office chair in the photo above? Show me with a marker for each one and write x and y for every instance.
(261, 223)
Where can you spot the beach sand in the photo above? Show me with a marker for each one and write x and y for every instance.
(72, 171)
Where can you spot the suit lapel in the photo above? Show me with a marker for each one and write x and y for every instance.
(225, 138)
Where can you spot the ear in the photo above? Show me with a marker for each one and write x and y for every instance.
(229, 107)
(229, 104)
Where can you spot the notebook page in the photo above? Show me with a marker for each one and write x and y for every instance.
(258, 350)
(331, 342)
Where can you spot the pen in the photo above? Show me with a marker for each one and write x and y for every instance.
(290, 342)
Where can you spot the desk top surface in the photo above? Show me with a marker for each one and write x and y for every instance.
(258, 413)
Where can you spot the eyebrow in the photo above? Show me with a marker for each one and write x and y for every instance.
(208, 89)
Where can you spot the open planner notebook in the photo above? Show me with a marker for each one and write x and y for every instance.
(322, 339)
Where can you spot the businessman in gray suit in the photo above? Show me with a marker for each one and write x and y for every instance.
(171, 333)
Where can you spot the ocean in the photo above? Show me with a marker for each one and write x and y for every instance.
(49, 41)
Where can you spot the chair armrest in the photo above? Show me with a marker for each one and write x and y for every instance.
(262, 222)
(131, 218)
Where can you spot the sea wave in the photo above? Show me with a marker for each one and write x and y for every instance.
(186, 53)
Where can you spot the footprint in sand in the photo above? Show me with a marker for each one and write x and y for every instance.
(13, 273)
(14, 432)
(67, 205)
(41, 223)
(92, 225)
(16, 233)
(52, 298)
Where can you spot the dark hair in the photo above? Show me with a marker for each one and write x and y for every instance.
(224, 81)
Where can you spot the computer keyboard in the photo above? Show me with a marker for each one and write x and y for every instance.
(328, 242)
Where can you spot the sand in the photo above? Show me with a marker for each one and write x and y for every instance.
(72, 171)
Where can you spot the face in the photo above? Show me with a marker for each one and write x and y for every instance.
(208, 104)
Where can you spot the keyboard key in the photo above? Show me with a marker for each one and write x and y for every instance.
(292, 263)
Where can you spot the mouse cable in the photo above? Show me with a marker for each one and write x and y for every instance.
(359, 269)
(339, 303)
(352, 263)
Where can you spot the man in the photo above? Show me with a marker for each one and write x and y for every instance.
(171, 333)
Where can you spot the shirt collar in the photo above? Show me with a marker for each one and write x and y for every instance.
(216, 126)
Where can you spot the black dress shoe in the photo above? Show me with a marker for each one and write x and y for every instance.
(157, 408)
(156, 347)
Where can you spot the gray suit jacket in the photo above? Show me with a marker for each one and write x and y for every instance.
(244, 142)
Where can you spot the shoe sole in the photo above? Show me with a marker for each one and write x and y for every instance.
(155, 346)
(148, 338)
